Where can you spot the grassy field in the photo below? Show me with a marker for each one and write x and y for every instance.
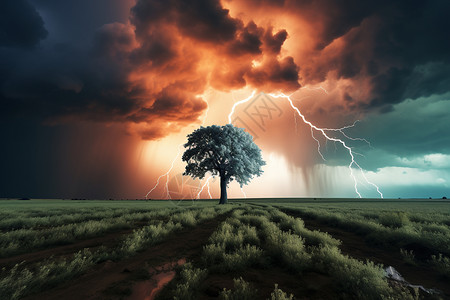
(248, 249)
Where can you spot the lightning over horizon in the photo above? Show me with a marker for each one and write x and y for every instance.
(324, 131)
(327, 137)
(167, 174)
(203, 186)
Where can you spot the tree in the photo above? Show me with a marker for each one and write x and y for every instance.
(226, 151)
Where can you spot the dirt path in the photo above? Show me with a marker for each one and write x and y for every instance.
(106, 280)
(355, 246)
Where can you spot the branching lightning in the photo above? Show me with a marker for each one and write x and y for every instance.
(239, 103)
(317, 88)
(324, 132)
(203, 186)
(167, 175)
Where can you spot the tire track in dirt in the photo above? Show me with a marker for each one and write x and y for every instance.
(355, 246)
(109, 276)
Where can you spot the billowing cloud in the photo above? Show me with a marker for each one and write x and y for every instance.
(150, 73)
(384, 52)
(147, 66)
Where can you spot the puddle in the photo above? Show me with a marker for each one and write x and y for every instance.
(160, 276)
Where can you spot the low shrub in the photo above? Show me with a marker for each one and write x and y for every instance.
(233, 246)
(278, 294)
(20, 282)
(441, 264)
(287, 248)
(146, 236)
(394, 219)
(247, 255)
(242, 290)
(191, 279)
(213, 254)
(353, 277)
(408, 257)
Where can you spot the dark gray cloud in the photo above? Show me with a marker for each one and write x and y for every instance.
(20, 25)
(397, 47)
(204, 20)
(108, 79)
(66, 62)
(386, 44)
(390, 46)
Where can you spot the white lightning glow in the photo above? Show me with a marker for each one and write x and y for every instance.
(318, 144)
(167, 175)
(323, 131)
(203, 186)
(341, 130)
(316, 88)
(327, 137)
(245, 195)
(239, 103)
(209, 191)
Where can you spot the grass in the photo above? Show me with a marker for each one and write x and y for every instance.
(389, 229)
(190, 279)
(281, 241)
(354, 278)
(242, 290)
(21, 281)
(255, 236)
(233, 246)
(278, 294)
(441, 264)
(408, 257)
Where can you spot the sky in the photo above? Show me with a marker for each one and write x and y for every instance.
(97, 97)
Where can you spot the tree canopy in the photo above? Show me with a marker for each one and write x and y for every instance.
(226, 151)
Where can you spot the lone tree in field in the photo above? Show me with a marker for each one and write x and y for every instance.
(226, 151)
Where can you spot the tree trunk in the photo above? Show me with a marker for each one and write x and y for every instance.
(223, 190)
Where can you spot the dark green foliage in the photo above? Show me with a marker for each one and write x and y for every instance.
(226, 151)
(394, 219)
(242, 291)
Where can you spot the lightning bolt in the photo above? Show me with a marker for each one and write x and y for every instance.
(167, 174)
(341, 130)
(245, 195)
(209, 191)
(324, 133)
(239, 103)
(316, 88)
(203, 186)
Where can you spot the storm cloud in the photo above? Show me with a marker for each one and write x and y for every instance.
(143, 67)
(146, 73)
(172, 51)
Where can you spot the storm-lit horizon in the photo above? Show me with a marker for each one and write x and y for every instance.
(97, 96)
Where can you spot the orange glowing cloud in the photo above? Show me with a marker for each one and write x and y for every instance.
(150, 72)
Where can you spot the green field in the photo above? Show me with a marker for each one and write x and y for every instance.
(247, 249)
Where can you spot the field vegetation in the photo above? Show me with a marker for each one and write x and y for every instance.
(253, 249)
